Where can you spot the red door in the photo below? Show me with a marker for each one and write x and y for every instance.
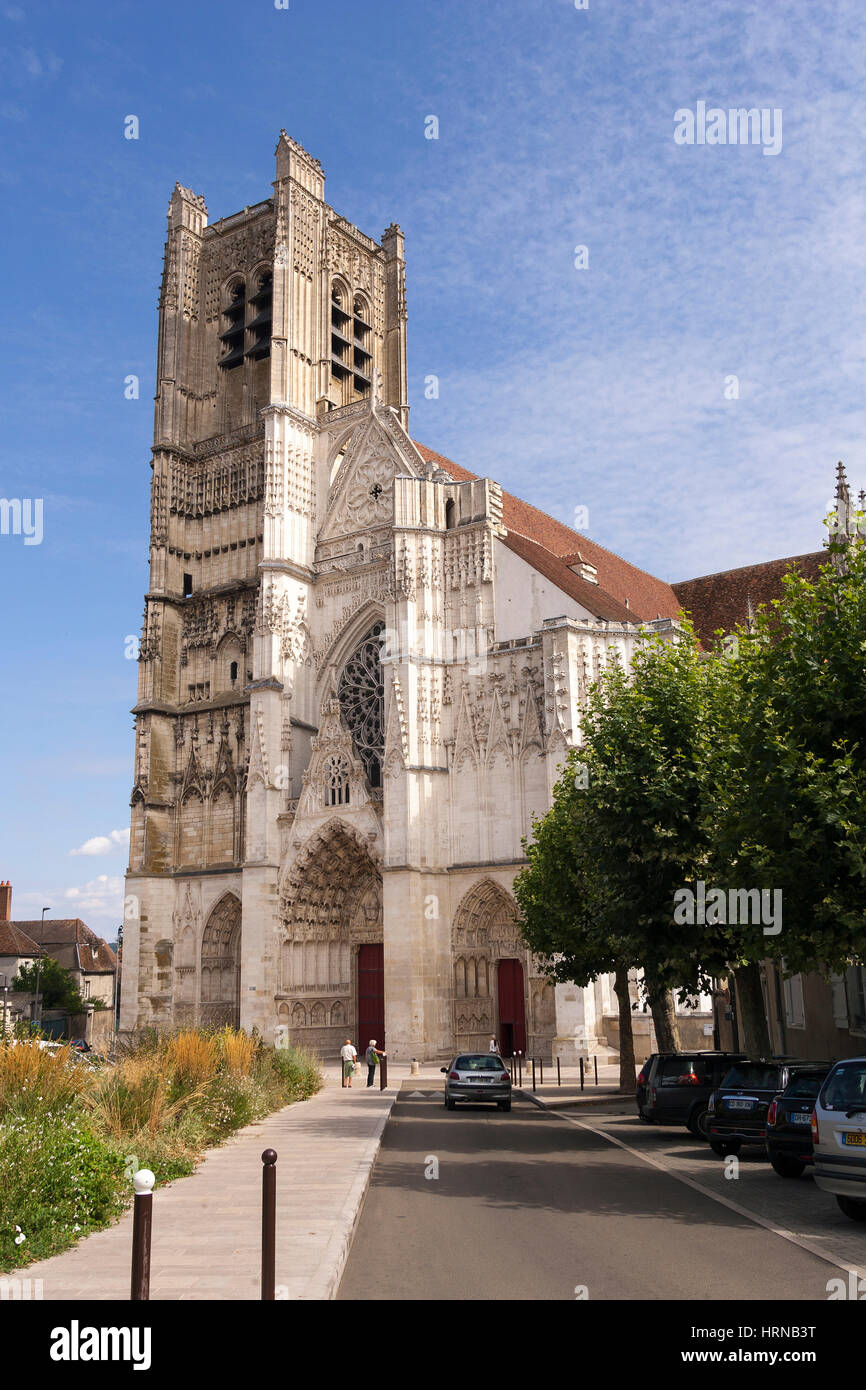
(512, 1015)
(371, 996)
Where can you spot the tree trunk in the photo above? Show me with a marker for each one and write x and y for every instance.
(664, 1017)
(626, 1036)
(752, 1016)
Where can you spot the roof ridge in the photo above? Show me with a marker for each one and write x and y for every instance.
(758, 564)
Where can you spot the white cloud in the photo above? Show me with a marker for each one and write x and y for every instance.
(104, 844)
(101, 897)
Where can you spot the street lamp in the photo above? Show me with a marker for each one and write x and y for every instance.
(39, 967)
(5, 988)
(117, 980)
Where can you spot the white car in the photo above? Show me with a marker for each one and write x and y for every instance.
(839, 1136)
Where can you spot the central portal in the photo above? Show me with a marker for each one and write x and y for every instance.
(371, 995)
(512, 1009)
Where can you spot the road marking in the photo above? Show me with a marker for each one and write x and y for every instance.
(804, 1242)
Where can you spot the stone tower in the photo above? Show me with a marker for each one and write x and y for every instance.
(275, 325)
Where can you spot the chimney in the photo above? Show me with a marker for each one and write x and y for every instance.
(6, 901)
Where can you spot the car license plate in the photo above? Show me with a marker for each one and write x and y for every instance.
(854, 1137)
(740, 1104)
(801, 1119)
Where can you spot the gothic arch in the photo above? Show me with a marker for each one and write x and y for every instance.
(345, 643)
(221, 964)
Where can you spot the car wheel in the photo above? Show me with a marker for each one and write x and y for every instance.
(786, 1166)
(698, 1123)
(853, 1209)
(451, 1104)
(503, 1105)
(723, 1148)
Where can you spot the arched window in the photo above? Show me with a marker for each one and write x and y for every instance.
(260, 323)
(362, 357)
(449, 514)
(336, 781)
(232, 335)
(361, 693)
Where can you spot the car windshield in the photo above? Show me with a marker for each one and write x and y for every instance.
(487, 1061)
(805, 1085)
(845, 1088)
(760, 1077)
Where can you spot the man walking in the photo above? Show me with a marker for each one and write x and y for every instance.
(372, 1056)
(348, 1055)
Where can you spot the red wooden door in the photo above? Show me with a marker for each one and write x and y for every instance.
(512, 1014)
(371, 995)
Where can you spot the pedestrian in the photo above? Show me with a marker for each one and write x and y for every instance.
(372, 1056)
(494, 1046)
(348, 1055)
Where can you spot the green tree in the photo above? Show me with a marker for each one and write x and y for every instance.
(785, 797)
(55, 985)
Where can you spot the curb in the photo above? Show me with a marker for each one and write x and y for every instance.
(591, 1103)
(324, 1284)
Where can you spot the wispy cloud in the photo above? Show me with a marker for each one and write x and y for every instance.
(104, 844)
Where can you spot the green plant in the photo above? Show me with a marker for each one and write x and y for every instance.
(54, 985)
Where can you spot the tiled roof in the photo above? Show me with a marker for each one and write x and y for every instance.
(15, 942)
(721, 601)
(94, 955)
(648, 597)
(591, 596)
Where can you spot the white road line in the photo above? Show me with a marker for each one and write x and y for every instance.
(803, 1241)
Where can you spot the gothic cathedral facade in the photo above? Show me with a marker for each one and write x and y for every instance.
(361, 666)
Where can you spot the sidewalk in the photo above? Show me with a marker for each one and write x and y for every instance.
(207, 1227)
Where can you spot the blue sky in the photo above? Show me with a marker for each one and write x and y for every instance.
(601, 387)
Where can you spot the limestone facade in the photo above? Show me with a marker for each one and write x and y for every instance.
(358, 678)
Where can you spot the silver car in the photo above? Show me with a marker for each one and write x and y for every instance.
(839, 1136)
(477, 1076)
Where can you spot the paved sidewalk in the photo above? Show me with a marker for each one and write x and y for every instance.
(207, 1227)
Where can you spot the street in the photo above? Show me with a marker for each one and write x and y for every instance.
(543, 1206)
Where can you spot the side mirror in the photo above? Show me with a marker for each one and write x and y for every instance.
(445, 1069)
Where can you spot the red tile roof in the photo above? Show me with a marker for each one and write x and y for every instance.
(593, 598)
(648, 598)
(15, 942)
(721, 601)
(94, 955)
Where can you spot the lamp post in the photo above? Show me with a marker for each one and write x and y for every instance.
(5, 988)
(117, 981)
(39, 967)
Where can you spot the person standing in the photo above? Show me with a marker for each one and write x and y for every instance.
(372, 1056)
(493, 1046)
(348, 1055)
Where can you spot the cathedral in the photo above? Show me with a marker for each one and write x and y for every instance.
(361, 667)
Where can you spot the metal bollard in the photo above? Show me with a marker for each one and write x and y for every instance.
(558, 1074)
(595, 1064)
(269, 1224)
(541, 1067)
(581, 1073)
(383, 1073)
(520, 1068)
(533, 1073)
(142, 1221)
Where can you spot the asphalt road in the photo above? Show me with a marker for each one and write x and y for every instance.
(527, 1205)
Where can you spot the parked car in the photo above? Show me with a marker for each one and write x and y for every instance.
(80, 1045)
(640, 1094)
(789, 1132)
(839, 1136)
(477, 1076)
(738, 1108)
(678, 1087)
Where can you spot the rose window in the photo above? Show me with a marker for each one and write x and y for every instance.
(361, 693)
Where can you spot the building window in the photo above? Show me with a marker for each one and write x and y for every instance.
(87, 989)
(362, 358)
(337, 781)
(855, 990)
(233, 672)
(233, 316)
(361, 693)
(260, 323)
(187, 585)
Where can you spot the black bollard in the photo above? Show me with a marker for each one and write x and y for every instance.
(269, 1225)
(558, 1074)
(142, 1221)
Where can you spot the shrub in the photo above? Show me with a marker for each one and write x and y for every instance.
(34, 1078)
(192, 1055)
(59, 1181)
